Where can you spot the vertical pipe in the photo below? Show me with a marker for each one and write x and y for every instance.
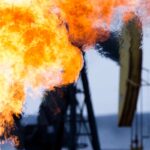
(91, 118)
(72, 118)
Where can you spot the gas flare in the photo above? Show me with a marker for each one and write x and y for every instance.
(34, 52)
(39, 40)
(89, 20)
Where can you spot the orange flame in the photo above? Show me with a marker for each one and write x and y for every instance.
(89, 20)
(36, 38)
(34, 51)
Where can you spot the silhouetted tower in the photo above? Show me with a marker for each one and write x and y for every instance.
(81, 116)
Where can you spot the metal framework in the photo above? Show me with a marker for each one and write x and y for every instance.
(82, 129)
(73, 127)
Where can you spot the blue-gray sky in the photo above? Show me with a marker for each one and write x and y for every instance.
(103, 76)
(104, 80)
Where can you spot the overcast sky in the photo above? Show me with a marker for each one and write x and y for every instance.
(104, 80)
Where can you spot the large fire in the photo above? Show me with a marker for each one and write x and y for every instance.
(38, 44)
(34, 52)
(89, 20)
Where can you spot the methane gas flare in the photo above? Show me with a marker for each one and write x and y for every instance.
(40, 41)
(34, 52)
(89, 20)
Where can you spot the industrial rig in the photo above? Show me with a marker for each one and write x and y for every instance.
(63, 119)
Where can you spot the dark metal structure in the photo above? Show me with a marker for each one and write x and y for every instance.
(64, 120)
(88, 102)
(80, 126)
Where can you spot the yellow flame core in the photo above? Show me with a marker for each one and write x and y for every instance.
(35, 51)
(35, 43)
